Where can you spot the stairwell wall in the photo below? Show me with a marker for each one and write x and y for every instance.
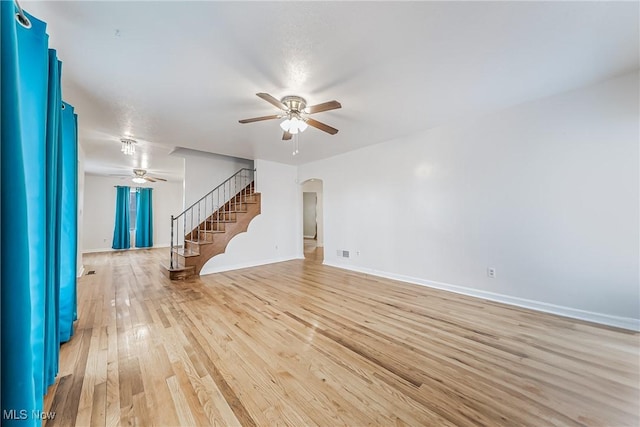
(272, 236)
(546, 192)
(204, 171)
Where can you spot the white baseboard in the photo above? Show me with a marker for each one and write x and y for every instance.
(242, 265)
(308, 237)
(97, 250)
(574, 313)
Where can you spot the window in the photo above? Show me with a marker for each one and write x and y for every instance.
(132, 209)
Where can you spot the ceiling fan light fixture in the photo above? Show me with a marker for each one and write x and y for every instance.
(293, 125)
(128, 146)
(138, 180)
(286, 125)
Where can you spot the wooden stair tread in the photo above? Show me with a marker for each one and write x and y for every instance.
(185, 253)
(198, 242)
(233, 211)
(177, 272)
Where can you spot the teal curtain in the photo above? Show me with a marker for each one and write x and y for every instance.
(121, 237)
(144, 217)
(37, 190)
(68, 222)
(53, 218)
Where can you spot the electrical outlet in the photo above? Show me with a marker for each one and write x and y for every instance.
(491, 273)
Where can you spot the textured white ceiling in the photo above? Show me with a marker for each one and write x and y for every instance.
(181, 74)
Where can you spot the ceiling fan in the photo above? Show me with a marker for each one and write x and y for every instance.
(296, 112)
(140, 176)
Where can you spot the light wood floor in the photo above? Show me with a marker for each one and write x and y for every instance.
(298, 343)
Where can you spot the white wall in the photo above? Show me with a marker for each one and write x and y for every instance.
(100, 204)
(547, 193)
(273, 235)
(315, 186)
(205, 171)
(79, 238)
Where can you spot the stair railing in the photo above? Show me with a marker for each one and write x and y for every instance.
(210, 212)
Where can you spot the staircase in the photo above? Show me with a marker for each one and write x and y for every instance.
(205, 228)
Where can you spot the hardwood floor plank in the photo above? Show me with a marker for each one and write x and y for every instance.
(98, 409)
(71, 407)
(155, 368)
(60, 398)
(298, 343)
(180, 401)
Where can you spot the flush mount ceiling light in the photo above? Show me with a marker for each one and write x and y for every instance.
(128, 146)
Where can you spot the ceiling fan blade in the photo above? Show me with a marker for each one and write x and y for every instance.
(325, 106)
(257, 119)
(286, 136)
(149, 179)
(270, 99)
(319, 125)
(158, 179)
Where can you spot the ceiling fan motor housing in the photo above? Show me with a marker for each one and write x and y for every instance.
(295, 104)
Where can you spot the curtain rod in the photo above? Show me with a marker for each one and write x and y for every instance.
(21, 16)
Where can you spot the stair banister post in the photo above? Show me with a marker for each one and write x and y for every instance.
(171, 245)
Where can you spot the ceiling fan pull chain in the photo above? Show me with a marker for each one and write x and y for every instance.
(296, 144)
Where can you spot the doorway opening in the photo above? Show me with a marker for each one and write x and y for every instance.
(312, 220)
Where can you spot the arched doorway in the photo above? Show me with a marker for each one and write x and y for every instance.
(312, 220)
